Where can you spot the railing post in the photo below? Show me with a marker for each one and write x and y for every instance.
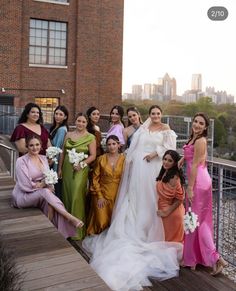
(219, 225)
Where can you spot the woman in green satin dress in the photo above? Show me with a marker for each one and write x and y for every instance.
(75, 178)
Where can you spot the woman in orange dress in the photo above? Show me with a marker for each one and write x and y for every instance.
(171, 194)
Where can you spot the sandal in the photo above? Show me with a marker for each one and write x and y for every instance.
(219, 266)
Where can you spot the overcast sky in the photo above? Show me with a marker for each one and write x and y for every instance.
(177, 37)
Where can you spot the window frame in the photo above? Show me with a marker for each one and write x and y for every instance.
(45, 36)
(54, 2)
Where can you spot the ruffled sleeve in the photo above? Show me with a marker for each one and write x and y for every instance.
(18, 133)
(169, 142)
(95, 187)
(179, 192)
(23, 177)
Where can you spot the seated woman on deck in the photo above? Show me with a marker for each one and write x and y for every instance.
(31, 191)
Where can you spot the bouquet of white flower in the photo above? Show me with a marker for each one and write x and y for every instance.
(190, 221)
(77, 158)
(50, 177)
(52, 153)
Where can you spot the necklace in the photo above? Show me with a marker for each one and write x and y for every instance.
(113, 160)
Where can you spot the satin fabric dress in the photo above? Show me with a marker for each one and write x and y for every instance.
(173, 223)
(57, 140)
(199, 246)
(26, 195)
(133, 248)
(22, 132)
(74, 183)
(104, 184)
(117, 129)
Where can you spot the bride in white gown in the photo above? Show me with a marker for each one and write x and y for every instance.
(133, 248)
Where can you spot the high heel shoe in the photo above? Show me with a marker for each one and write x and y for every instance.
(219, 266)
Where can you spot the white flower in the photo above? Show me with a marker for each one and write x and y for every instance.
(190, 221)
(52, 153)
(50, 177)
(77, 158)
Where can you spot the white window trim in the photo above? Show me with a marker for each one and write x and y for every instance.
(48, 66)
(53, 2)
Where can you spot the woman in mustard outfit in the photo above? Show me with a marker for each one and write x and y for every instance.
(105, 182)
(75, 178)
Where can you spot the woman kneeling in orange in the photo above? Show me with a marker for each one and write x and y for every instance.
(171, 194)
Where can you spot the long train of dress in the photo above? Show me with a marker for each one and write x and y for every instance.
(133, 248)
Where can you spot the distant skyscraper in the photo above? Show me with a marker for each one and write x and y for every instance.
(137, 92)
(197, 82)
(147, 91)
(169, 87)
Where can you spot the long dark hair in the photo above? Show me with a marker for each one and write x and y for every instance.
(23, 118)
(152, 107)
(90, 126)
(205, 131)
(120, 112)
(174, 171)
(53, 129)
(134, 109)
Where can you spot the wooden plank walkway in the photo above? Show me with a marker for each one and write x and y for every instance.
(50, 262)
(199, 280)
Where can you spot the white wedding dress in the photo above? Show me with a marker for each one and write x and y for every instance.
(133, 248)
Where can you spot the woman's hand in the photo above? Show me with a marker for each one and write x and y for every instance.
(40, 185)
(150, 156)
(59, 173)
(163, 213)
(190, 193)
(101, 202)
(50, 162)
(77, 167)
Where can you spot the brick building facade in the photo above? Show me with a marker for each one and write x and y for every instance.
(62, 52)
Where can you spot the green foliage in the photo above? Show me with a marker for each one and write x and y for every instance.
(223, 114)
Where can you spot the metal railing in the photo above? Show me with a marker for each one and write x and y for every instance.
(224, 208)
(9, 156)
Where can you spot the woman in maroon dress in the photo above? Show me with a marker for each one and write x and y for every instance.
(30, 123)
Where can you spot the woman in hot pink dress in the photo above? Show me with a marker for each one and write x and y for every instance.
(31, 191)
(199, 246)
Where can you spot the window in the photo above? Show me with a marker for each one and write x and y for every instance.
(48, 105)
(47, 41)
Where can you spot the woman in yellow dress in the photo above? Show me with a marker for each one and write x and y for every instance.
(105, 182)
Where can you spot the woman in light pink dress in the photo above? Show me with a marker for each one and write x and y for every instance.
(117, 124)
(199, 246)
(31, 191)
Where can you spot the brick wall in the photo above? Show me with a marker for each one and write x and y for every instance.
(94, 60)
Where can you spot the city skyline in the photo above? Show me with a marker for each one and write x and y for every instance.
(181, 41)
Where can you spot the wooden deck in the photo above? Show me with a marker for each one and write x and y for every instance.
(51, 263)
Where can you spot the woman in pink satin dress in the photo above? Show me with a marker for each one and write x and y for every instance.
(31, 191)
(199, 246)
